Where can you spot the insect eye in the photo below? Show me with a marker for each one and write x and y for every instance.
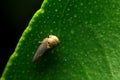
(49, 45)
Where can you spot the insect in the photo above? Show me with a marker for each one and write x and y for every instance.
(46, 44)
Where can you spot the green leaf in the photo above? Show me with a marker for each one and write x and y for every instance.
(89, 33)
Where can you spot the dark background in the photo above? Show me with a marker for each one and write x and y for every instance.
(14, 18)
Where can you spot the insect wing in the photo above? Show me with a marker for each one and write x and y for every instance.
(40, 51)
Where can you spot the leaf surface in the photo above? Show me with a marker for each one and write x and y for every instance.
(89, 49)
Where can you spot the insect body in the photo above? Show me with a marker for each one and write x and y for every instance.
(46, 44)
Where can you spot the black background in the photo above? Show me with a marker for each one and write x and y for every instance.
(14, 18)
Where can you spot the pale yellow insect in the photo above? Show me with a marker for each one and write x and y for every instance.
(46, 44)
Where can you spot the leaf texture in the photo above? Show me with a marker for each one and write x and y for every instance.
(89, 33)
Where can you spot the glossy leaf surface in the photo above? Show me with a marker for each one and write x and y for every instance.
(89, 33)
